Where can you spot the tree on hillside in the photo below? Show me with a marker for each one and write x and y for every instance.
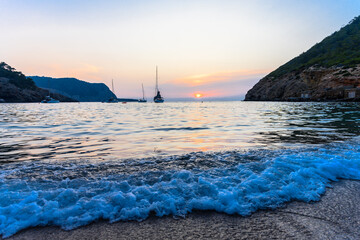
(339, 49)
(15, 77)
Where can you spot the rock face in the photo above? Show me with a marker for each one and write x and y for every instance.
(16, 87)
(11, 93)
(311, 84)
(329, 71)
(74, 88)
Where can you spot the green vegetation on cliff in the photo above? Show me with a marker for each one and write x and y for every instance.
(16, 87)
(75, 88)
(342, 48)
(16, 77)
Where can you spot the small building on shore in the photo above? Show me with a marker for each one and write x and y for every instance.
(352, 93)
(305, 95)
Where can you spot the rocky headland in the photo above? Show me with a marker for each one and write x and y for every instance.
(311, 84)
(76, 89)
(16, 87)
(329, 71)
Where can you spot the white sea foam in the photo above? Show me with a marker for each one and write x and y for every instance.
(74, 195)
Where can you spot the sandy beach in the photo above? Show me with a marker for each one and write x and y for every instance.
(336, 216)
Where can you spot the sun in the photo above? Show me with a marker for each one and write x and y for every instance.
(198, 95)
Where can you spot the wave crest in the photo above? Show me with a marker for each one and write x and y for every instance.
(72, 195)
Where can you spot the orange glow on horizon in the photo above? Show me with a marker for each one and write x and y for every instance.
(203, 79)
(198, 95)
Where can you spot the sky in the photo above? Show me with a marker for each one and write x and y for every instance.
(216, 48)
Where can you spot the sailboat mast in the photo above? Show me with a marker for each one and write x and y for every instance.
(112, 84)
(142, 85)
(156, 88)
(158, 98)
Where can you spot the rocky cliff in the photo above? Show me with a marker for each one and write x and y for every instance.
(329, 71)
(75, 88)
(11, 93)
(311, 84)
(15, 87)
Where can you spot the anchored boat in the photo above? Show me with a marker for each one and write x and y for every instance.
(112, 99)
(49, 99)
(158, 98)
(142, 100)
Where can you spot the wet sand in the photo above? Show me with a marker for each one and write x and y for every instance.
(336, 216)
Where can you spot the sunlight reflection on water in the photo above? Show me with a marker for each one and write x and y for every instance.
(117, 131)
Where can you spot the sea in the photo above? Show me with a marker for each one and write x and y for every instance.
(70, 164)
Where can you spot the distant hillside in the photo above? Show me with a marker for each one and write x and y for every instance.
(75, 88)
(341, 48)
(16, 87)
(327, 71)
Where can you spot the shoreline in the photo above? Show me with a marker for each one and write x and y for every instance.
(335, 216)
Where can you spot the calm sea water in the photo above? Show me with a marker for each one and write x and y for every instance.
(118, 131)
(69, 164)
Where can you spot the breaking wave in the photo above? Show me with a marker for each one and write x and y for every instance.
(72, 194)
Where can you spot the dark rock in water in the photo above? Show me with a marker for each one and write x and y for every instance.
(15, 87)
(329, 71)
(75, 88)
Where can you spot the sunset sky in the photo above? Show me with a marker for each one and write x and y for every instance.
(216, 48)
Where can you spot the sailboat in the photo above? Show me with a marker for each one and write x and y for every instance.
(49, 99)
(143, 98)
(112, 99)
(158, 98)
